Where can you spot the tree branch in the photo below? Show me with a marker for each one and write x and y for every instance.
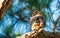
(5, 5)
(42, 34)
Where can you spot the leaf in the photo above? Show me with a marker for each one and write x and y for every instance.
(45, 14)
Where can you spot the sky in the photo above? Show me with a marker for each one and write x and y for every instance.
(53, 7)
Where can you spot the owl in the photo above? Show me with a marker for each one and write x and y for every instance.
(37, 21)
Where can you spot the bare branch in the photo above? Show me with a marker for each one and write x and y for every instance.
(4, 6)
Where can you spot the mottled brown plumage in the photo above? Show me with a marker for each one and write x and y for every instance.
(37, 20)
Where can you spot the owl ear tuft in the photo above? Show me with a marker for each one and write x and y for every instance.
(36, 12)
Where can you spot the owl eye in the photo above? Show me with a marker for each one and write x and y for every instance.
(37, 18)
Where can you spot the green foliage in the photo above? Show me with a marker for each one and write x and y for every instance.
(14, 35)
(7, 30)
(20, 15)
(32, 5)
(10, 10)
(2, 35)
(45, 14)
(38, 4)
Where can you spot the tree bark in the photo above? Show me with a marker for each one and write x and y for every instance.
(42, 34)
(4, 6)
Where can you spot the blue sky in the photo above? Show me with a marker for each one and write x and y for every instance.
(53, 7)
